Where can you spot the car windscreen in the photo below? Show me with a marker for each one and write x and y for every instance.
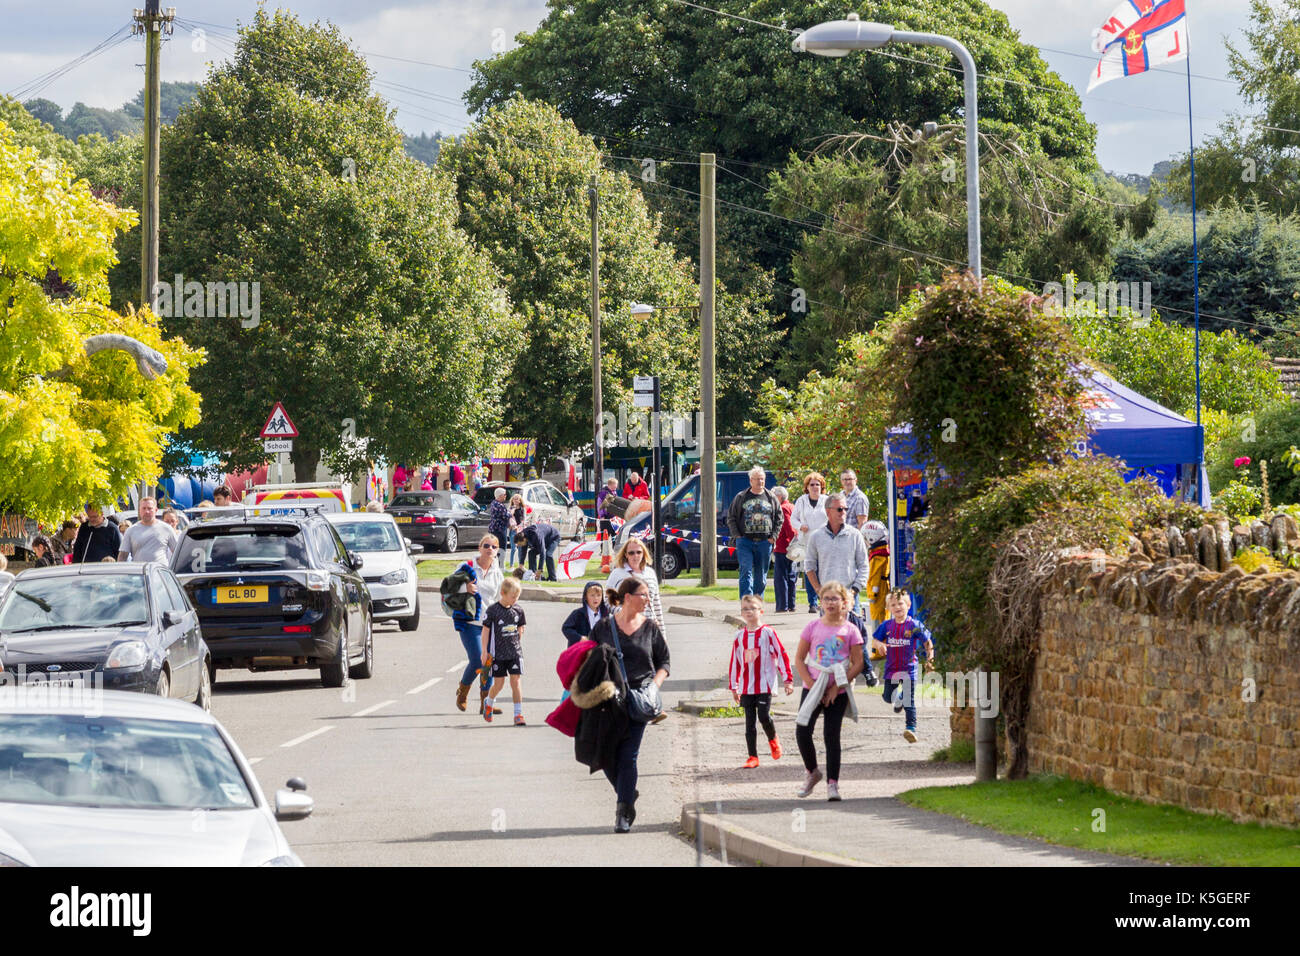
(370, 536)
(428, 499)
(241, 548)
(78, 761)
(74, 601)
(485, 495)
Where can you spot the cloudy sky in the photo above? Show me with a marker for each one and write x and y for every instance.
(1140, 120)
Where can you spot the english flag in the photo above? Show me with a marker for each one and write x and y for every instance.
(1140, 35)
(573, 563)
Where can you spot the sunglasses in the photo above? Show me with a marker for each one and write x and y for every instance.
(837, 509)
(490, 547)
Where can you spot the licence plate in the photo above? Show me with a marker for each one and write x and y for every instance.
(240, 594)
(66, 682)
(402, 520)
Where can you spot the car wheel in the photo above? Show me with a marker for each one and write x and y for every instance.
(366, 669)
(412, 622)
(164, 688)
(203, 698)
(335, 673)
(451, 543)
(672, 563)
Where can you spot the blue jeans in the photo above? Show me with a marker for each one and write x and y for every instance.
(515, 553)
(784, 579)
(812, 595)
(753, 557)
(535, 558)
(623, 774)
(906, 685)
(471, 638)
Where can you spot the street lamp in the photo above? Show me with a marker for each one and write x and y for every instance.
(842, 37)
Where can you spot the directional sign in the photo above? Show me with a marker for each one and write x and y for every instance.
(277, 445)
(278, 424)
(643, 383)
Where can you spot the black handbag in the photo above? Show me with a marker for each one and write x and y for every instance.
(643, 703)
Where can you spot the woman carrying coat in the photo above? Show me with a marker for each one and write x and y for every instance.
(645, 658)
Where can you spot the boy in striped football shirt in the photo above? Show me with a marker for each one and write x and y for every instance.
(758, 658)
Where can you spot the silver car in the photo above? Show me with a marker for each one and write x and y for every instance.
(110, 778)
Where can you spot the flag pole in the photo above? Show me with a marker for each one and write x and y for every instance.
(1196, 263)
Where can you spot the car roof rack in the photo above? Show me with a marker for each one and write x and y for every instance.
(276, 510)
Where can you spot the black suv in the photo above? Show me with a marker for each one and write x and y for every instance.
(276, 590)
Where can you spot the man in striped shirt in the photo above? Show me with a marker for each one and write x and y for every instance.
(758, 658)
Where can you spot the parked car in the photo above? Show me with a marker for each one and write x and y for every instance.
(542, 502)
(680, 509)
(122, 626)
(277, 592)
(389, 573)
(144, 782)
(439, 519)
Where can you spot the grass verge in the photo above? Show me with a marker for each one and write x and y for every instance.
(728, 711)
(961, 750)
(1064, 812)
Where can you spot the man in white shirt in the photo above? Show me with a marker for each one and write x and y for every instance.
(148, 539)
(854, 499)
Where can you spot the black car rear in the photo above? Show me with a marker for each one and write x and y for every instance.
(275, 590)
(438, 519)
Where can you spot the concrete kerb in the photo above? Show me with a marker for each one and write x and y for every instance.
(750, 847)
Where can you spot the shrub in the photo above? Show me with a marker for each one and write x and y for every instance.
(1240, 500)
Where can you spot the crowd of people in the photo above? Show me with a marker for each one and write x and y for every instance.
(617, 658)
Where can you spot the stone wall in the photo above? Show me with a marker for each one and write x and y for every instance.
(1172, 683)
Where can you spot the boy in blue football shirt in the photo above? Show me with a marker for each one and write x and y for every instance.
(899, 638)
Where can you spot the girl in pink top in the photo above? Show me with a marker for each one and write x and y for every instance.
(823, 644)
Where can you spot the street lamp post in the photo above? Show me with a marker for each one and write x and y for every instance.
(840, 38)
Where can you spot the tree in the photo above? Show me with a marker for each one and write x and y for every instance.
(893, 214)
(1266, 436)
(662, 81)
(378, 317)
(522, 175)
(1158, 360)
(1255, 158)
(1249, 270)
(423, 147)
(73, 428)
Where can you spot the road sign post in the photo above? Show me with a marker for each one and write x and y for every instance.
(645, 393)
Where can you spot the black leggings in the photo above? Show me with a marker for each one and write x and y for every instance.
(757, 705)
(831, 731)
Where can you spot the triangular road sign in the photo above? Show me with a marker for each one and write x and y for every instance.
(278, 424)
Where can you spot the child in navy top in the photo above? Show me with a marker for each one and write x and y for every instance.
(899, 638)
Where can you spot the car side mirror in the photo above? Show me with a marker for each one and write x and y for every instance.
(413, 548)
(172, 618)
(354, 561)
(293, 803)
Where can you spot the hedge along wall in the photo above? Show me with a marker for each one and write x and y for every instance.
(1171, 683)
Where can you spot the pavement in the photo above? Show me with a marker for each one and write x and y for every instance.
(753, 816)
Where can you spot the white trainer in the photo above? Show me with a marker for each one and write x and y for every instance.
(810, 781)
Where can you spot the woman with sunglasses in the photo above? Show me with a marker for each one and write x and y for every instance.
(645, 658)
(809, 515)
(634, 558)
(485, 577)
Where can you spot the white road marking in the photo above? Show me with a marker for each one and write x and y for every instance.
(370, 710)
(425, 686)
(455, 667)
(253, 760)
(315, 733)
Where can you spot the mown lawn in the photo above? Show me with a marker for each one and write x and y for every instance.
(1063, 811)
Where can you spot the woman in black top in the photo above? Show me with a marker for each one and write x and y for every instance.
(645, 657)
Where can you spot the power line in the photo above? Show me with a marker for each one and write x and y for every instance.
(35, 86)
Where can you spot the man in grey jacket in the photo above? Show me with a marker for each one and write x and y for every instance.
(837, 552)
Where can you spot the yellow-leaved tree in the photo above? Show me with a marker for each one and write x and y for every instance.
(87, 395)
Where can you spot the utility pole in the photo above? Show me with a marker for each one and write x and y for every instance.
(598, 450)
(709, 441)
(151, 22)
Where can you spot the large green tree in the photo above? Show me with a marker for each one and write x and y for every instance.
(657, 79)
(73, 427)
(522, 175)
(893, 214)
(1256, 157)
(377, 315)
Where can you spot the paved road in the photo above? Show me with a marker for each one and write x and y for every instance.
(400, 777)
